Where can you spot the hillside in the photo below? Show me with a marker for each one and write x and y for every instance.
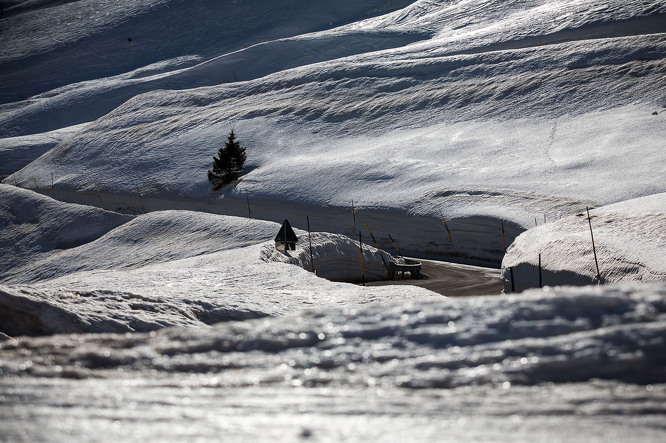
(531, 108)
(136, 303)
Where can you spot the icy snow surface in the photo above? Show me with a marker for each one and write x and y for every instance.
(581, 364)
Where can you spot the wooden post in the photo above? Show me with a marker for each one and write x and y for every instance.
(360, 243)
(378, 250)
(445, 225)
(249, 211)
(353, 216)
(310, 240)
(513, 283)
(594, 249)
(503, 236)
(100, 200)
(396, 247)
(540, 284)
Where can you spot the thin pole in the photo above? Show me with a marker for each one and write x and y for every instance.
(360, 242)
(396, 247)
(52, 180)
(249, 211)
(310, 240)
(100, 199)
(503, 236)
(378, 250)
(594, 249)
(513, 283)
(540, 284)
(445, 225)
(354, 215)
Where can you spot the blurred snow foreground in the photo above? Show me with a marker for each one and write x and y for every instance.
(576, 363)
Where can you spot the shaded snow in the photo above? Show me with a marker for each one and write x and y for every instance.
(630, 240)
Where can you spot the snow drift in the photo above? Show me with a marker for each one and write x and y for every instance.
(630, 240)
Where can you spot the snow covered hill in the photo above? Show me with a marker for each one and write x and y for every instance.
(451, 125)
(545, 98)
(71, 268)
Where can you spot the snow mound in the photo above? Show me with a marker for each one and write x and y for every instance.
(630, 242)
(33, 227)
(560, 336)
(336, 257)
(150, 238)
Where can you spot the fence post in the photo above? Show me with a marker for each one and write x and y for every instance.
(503, 236)
(594, 249)
(513, 283)
(360, 243)
(310, 240)
(378, 250)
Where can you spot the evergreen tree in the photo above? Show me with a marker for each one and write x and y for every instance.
(228, 165)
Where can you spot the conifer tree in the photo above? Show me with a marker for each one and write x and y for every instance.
(228, 165)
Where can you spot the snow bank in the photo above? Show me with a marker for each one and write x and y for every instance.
(583, 363)
(630, 240)
(336, 257)
(166, 268)
(233, 284)
(34, 227)
(561, 336)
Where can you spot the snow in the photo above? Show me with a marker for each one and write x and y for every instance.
(629, 237)
(575, 363)
(150, 307)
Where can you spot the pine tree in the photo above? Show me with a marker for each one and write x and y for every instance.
(228, 165)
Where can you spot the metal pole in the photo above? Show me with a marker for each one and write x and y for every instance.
(360, 242)
(310, 240)
(540, 285)
(378, 250)
(513, 283)
(503, 236)
(445, 225)
(396, 247)
(249, 211)
(594, 249)
(353, 215)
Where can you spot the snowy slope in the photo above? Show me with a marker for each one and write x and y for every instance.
(546, 110)
(32, 227)
(576, 365)
(630, 241)
(70, 268)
